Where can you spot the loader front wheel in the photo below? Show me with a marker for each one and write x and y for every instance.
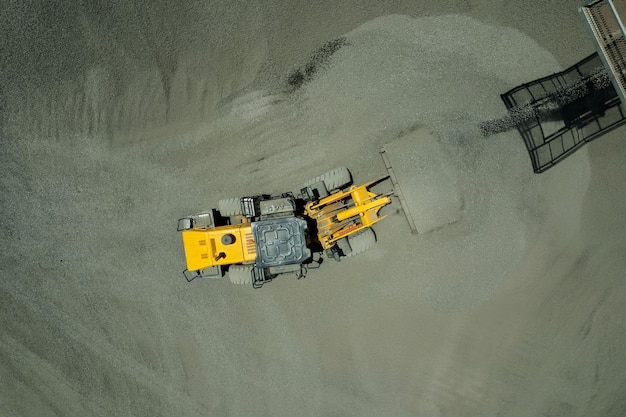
(361, 241)
(230, 207)
(336, 179)
(240, 274)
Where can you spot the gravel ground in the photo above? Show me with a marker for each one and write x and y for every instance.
(119, 119)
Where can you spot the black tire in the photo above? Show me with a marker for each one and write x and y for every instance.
(361, 241)
(240, 274)
(336, 179)
(230, 207)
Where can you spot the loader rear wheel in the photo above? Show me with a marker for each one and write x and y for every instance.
(334, 180)
(230, 207)
(240, 274)
(361, 241)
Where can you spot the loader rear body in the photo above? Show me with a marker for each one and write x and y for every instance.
(223, 245)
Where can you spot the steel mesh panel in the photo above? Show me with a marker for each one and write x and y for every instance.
(551, 136)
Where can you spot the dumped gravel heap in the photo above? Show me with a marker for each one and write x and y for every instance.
(444, 74)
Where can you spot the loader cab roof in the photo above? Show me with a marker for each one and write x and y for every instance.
(280, 241)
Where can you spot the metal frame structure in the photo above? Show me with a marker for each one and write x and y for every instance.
(603, 21)
(552, 136)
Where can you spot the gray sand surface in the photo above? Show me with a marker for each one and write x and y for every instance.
(117, 120)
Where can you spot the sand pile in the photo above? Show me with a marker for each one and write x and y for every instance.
(395, 75)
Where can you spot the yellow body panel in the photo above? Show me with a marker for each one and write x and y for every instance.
(346, 212)
(204, 247)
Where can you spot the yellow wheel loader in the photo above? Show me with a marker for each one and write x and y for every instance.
(253, 239)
